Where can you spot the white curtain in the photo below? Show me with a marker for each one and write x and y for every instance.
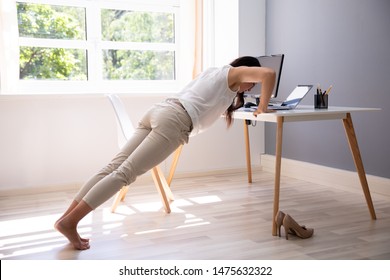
(198, 39)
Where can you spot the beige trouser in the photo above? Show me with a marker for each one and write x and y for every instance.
(162, 129)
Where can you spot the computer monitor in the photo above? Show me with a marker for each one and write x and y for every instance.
(276, 63)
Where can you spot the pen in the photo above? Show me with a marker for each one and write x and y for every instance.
(328, 90)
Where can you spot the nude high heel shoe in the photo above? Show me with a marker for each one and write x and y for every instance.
(290, 225)
(279, 222)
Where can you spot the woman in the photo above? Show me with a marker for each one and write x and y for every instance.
(166, 126)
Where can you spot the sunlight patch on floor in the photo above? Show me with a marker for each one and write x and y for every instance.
(206, 199)
(148, 207)
(31, 235)
(27, 225)
(150, 231)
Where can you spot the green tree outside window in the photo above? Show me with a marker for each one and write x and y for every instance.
(63, 22)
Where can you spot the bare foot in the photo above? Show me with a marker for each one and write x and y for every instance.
(82, 239)
(72, 235)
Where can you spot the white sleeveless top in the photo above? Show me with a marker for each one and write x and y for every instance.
(207, 97)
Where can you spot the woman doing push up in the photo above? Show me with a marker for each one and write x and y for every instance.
(165, 127)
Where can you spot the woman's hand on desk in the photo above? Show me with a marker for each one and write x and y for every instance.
(262, 111)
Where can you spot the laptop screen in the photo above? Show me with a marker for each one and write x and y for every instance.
(296, 95)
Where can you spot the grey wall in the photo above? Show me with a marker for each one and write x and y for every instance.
(341, 42)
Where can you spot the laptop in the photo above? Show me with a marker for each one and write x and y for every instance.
(293, 99)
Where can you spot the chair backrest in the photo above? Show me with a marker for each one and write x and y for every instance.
(123, 119)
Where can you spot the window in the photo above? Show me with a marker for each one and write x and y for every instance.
(43, 32)
(140, 45)
(95, 46)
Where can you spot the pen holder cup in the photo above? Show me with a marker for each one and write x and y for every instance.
(321, 101)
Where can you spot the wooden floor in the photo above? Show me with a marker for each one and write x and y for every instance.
(213, 217)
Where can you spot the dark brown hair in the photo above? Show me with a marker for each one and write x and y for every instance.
(238, 101)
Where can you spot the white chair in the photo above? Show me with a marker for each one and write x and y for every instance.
(126, 127)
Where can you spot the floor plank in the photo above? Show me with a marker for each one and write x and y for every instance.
(213, 217)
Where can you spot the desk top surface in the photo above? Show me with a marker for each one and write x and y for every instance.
(301, 113)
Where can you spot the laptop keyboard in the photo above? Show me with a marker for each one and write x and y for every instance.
(274, 101)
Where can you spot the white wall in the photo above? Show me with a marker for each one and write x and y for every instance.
(62, 140)
(49, 141)
(245, 38)
(226, 34)
(252, 27)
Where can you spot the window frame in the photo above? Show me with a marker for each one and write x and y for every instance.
(94, 46)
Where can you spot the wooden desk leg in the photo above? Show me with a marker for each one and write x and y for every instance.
(353, 145)
(278, 162)
(248, 152)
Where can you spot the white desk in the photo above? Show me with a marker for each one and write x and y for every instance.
(308, 113)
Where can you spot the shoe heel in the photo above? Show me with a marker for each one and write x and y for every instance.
(279, 222)
(286, 227)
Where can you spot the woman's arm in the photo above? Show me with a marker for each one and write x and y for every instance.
(265, 76)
